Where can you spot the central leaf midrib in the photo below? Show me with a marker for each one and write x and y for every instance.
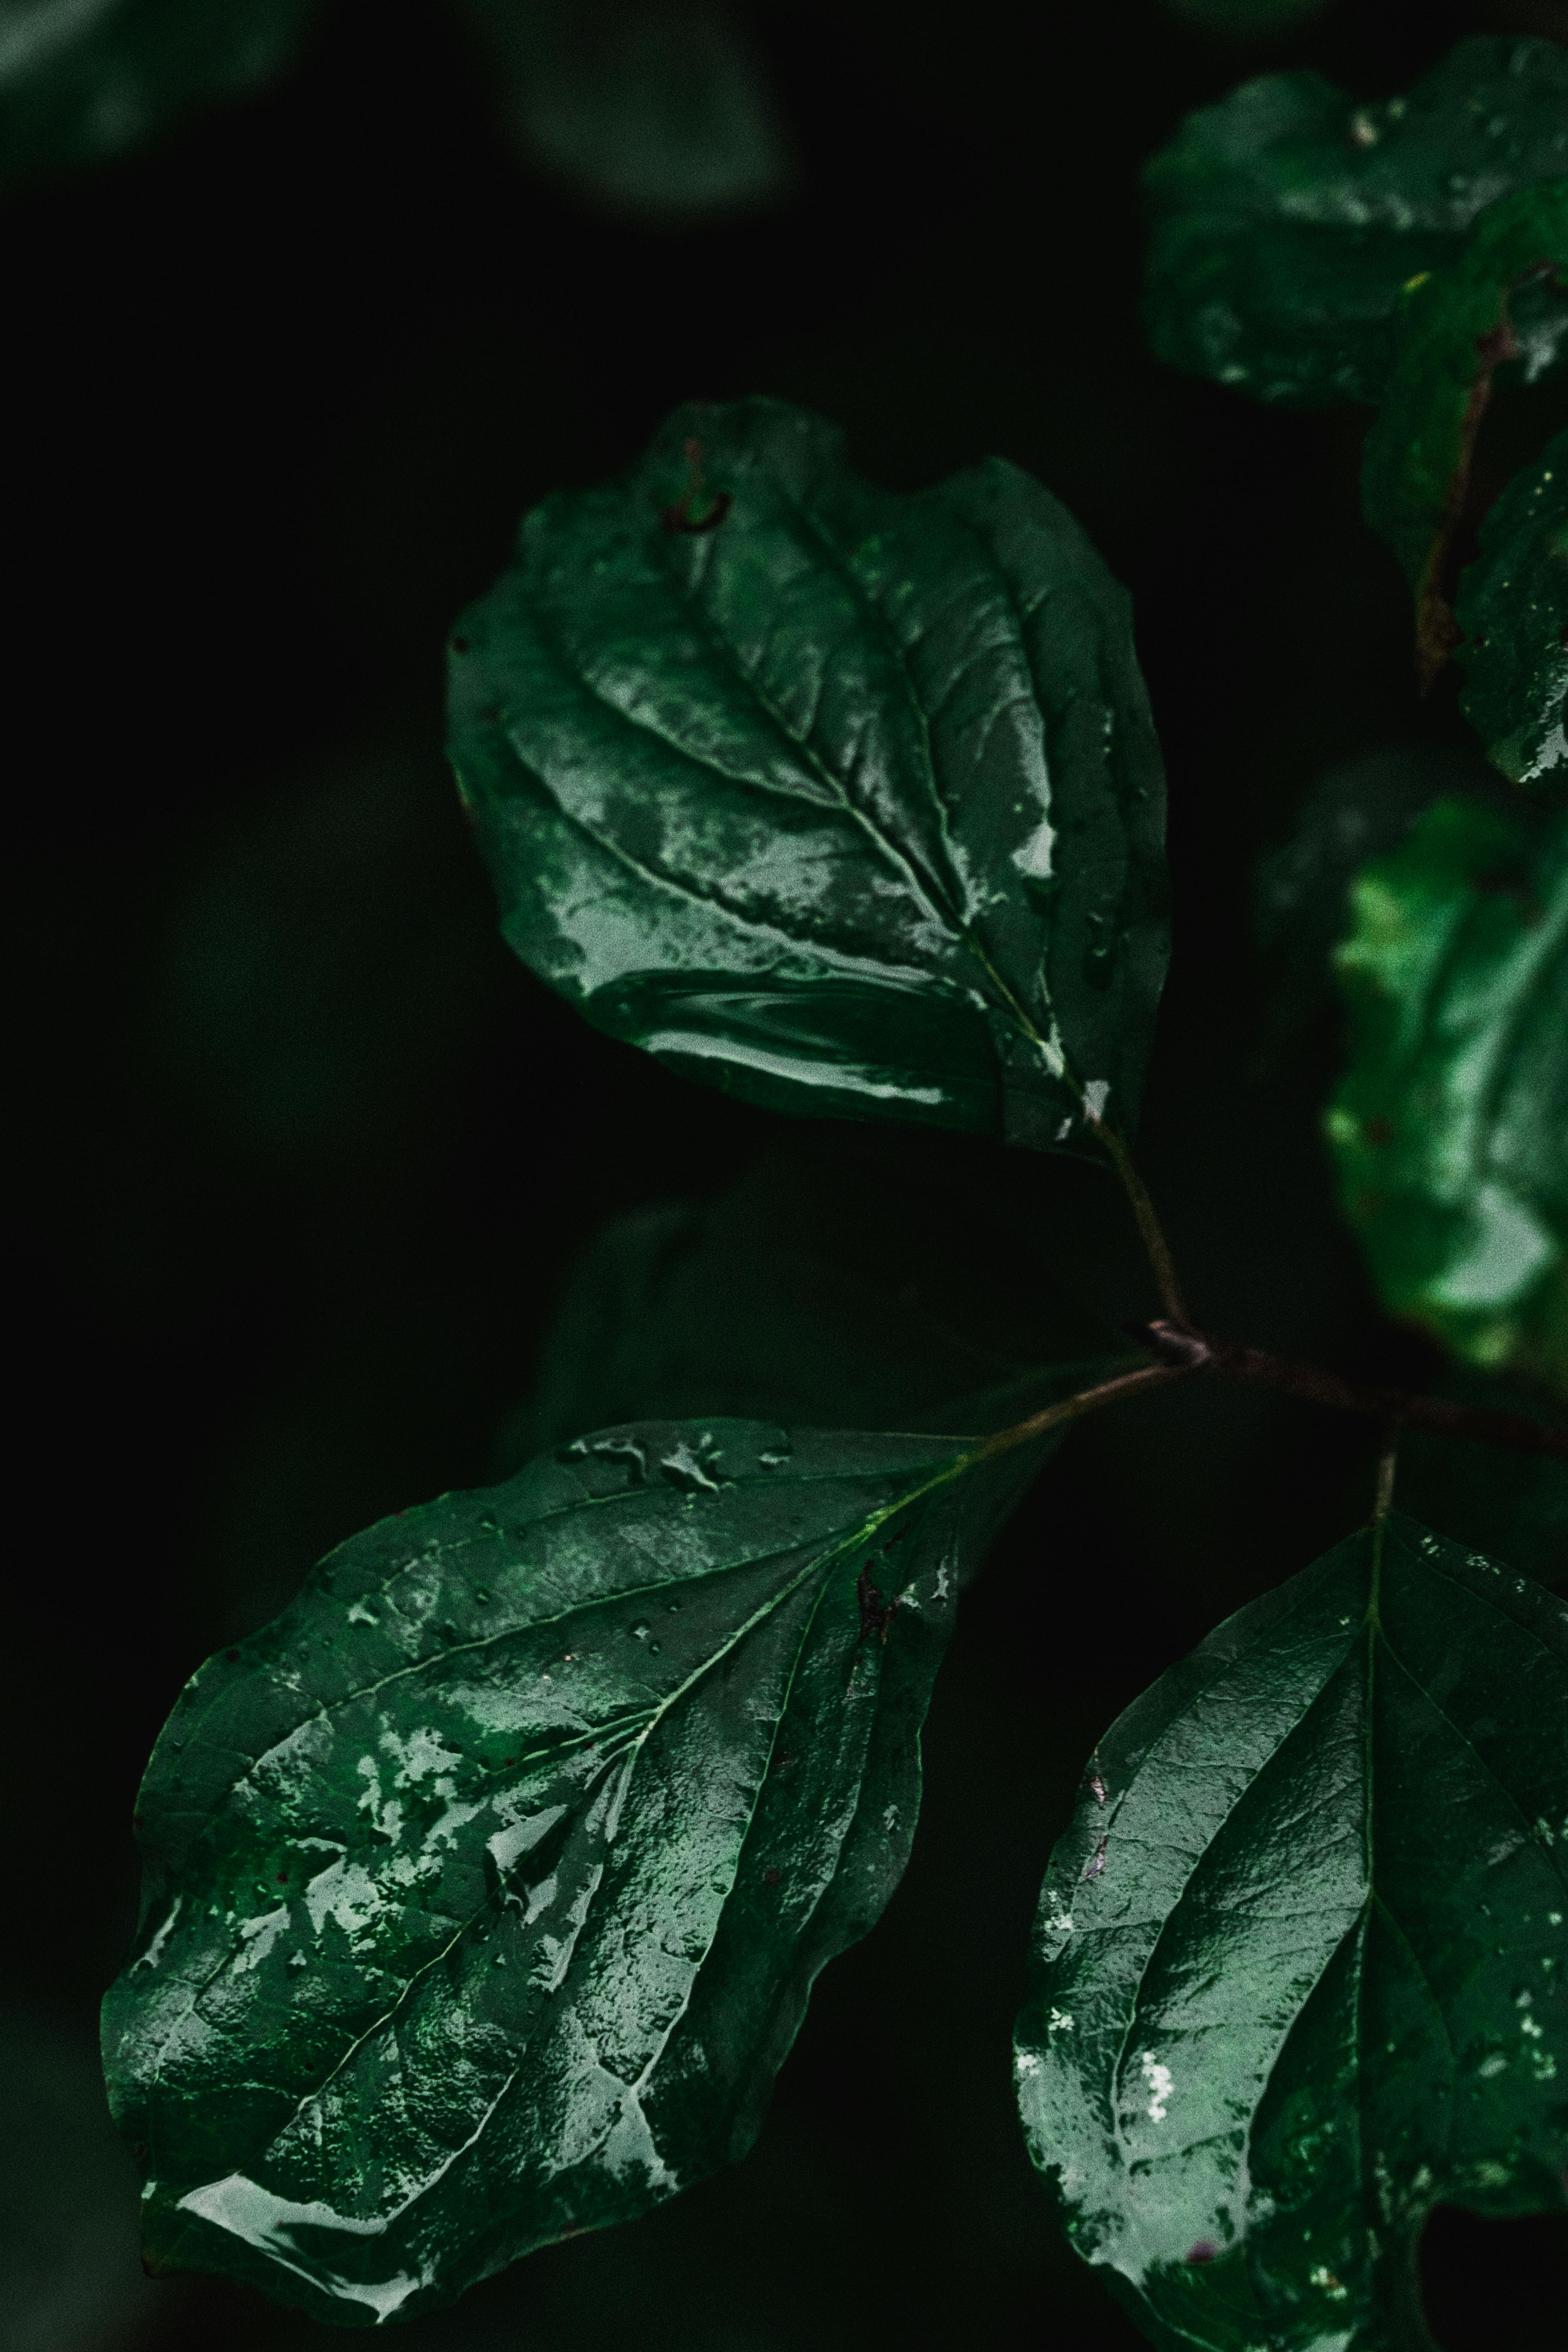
(388, 2016)
(534, 1624)
(824, 1563)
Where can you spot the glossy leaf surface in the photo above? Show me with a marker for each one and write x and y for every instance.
(1512, 613)
(1300, 1962)
(81, 80)
(846, 1281)
(844, 801)
(1450, 1128)
(1289, 219)
(484, 1887)
(1503, 298)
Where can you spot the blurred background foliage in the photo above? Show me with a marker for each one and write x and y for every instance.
(305, 1163)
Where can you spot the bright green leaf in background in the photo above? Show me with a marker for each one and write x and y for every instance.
(484, 1887)
(1301, 1959)
(1512, 614)
(1289, 219)
(81, 80)
(1450, 1128)
(847, 801)
(1503, 298)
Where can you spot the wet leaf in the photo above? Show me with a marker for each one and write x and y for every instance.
(1299, 1966)
(485, 1888)
(1450, 1128)
(1289, 219)
(1512, 614)
(845, 801)
(845, 1281)
(81, 80)
(1503, 300)
(654, 110)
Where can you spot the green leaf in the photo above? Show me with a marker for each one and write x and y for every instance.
(485, 1888)
(1299, 1964)
(1450, 1129)
(1461, 324)
(1512, 1506)
(1289, 219)
(845, 801)
(843, 1282)
(1512, 614)
(81, 83)
(659, 110)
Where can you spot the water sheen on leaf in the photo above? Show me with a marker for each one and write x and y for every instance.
(1450, 1128)
(485, 1888)
(847, 801)
(1505, 299)
(1512, 613)
(1299, 1963)
(1289, 219)
(81, 80)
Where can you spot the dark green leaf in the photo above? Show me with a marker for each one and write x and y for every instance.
(69, 2279)
(845, 801)
(1513, 613)
(654, 108)
(78, 84)
(844, 1282)
(1361, 808)
(1460, 324)
(1301, 1959)
(485, 1888)
(1289, 219)
(1450, 1129)
(1512, 1506)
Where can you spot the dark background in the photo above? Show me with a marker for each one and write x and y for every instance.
(302, 1154)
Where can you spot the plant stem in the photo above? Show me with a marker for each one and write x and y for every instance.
(1149, 1227)
(1387, 1462)
(1073, 1407)
(1198, 1352)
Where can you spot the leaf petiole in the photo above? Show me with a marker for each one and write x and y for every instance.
(1150, 1230)
(1073, 1407)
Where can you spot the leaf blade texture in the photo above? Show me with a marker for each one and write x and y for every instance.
(81, 83)
(1450, 1127)
(1287, 221)
(485, 1888)
(844, 801)
(1512, 614)
(1298, 1967)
